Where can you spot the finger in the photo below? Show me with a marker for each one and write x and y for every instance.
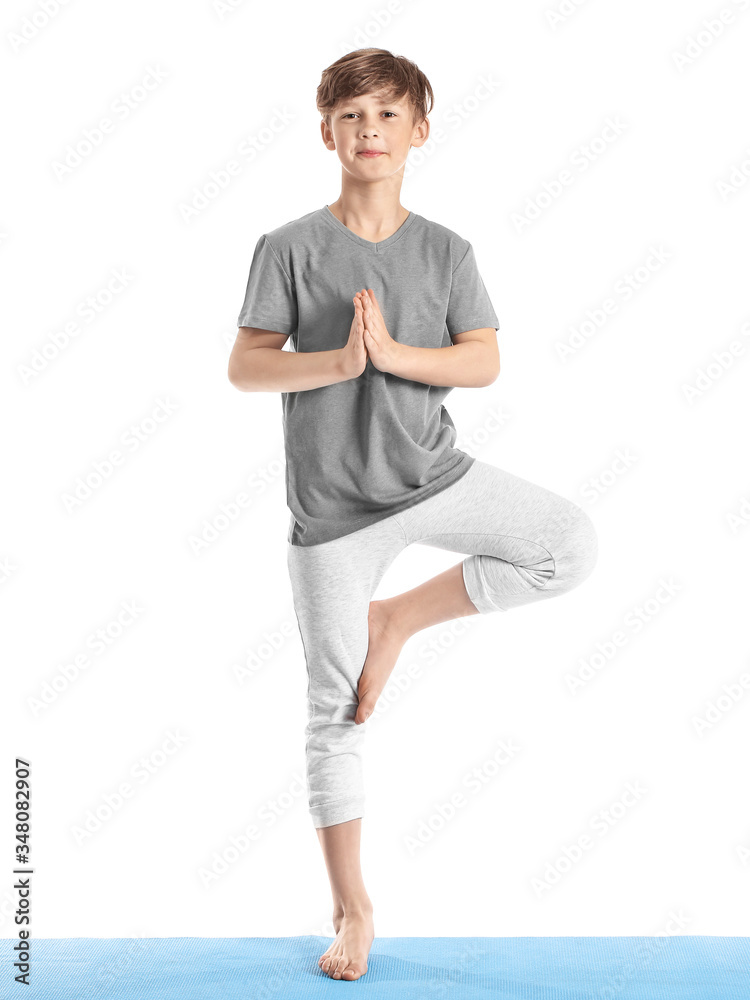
(371, 319)
(367, 314)
(372, 309)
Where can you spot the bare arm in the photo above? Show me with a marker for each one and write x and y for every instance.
(258, 364)
(472, 360)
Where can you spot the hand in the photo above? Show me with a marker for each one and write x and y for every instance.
(381, 347)
(353, 355)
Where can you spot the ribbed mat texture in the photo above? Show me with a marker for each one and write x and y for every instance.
(681, 967)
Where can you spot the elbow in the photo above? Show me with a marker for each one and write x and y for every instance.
(491, 366)
(238, 376)
(241, 384)
(235, 380)
(491, 376)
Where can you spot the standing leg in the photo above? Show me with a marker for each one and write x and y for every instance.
(332, 586)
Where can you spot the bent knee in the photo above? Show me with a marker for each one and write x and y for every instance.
(582, 547)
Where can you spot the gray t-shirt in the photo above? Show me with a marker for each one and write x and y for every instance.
(361, 450)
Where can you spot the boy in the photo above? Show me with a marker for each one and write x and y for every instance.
(387, 312)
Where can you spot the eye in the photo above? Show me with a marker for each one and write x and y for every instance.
(350, 114)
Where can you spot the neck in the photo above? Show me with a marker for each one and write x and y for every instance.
(373, 219)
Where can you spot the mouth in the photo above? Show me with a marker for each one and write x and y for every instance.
(370, 152)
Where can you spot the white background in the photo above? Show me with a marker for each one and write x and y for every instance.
(213, 653)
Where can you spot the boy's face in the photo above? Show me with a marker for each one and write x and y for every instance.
(371, 122)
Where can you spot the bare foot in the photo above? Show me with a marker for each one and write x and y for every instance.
(386, 641)
(347, 956)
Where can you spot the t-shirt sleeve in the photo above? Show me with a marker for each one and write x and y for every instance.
(469, 305)
(270, 300)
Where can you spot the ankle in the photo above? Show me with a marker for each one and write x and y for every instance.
(358, 906)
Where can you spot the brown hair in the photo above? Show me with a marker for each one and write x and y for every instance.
(365, 71)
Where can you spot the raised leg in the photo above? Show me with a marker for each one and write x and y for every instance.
(393, 620)
(526, 544)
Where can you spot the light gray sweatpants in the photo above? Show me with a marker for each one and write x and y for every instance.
(526, 544)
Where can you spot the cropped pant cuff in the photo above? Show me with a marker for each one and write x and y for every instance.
(337, 812)
(475, 588)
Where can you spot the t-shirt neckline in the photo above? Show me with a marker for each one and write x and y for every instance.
(368, 244)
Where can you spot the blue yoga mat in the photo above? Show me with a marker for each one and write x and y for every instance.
(683, 967)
